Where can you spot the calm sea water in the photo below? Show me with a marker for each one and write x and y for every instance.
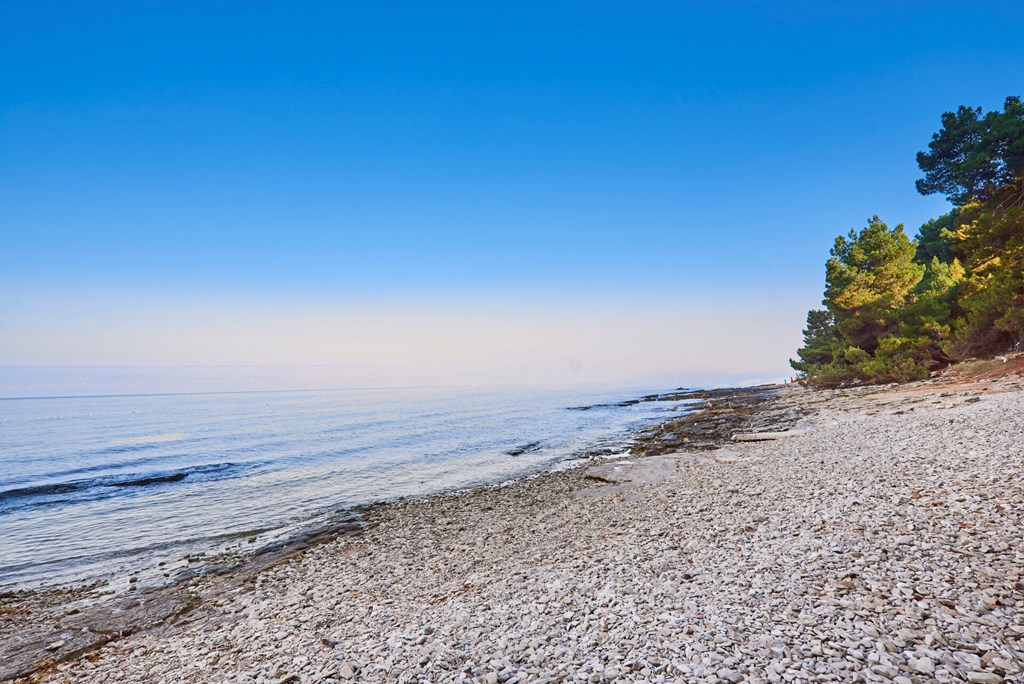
(91, 486)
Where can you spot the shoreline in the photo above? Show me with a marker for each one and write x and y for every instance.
(467, 525)
(184, 559)
(102, 613)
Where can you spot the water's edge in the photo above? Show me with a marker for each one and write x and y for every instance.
(184, 556)
(98, 614)
(711, 418)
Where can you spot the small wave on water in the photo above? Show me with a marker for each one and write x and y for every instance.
(56, 493)
(525, 448)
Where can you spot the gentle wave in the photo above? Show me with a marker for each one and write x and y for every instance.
(30, 496)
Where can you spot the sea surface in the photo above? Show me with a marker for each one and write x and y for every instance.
(101, 486)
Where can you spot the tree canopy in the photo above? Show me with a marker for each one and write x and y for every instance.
(935, 240)
(973, 155)
(870, 276)
(896, 308)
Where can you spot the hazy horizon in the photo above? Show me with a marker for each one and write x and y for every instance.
(489, 342)
(76, 381)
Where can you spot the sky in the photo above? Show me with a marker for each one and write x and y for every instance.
(461, 192)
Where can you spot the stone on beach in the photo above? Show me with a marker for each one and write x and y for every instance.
(637, 471)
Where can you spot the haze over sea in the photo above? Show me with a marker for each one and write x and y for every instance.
(121, 469)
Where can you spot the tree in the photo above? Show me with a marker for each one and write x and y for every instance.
(974, 155)
(992, 297)
(820, 340)
(935, 239)
(1005, 141)
(954, 164)
(870, 279)
(978, 162)
(926, 325)
(895, 309)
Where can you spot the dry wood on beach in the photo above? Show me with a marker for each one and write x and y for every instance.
(882, 540)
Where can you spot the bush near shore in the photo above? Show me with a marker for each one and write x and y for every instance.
(894, 308)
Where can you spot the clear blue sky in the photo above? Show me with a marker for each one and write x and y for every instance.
(206, 158)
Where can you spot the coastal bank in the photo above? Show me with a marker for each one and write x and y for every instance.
(878, 538)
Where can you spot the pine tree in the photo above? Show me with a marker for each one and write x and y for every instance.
(992, 297)
(870, 280)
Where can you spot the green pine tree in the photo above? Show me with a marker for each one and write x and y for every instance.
(870, 279)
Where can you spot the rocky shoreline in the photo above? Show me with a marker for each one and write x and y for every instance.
(881, 541)
(45, 627)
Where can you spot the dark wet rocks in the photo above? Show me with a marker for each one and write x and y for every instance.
(676, 395)
(524, 449)
(715, 416)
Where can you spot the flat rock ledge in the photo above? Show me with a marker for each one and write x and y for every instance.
(637, 472)
(82, 632)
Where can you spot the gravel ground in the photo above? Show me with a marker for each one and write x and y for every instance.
(882, 543)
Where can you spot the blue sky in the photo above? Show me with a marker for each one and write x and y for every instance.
(178, 176)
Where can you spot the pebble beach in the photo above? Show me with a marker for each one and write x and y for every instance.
(879, 538)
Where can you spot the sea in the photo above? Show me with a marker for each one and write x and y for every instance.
(101, 486)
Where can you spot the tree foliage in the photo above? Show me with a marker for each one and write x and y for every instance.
(870, 277)
(821, 341)
(935, 239)
(894, 309)
(992, 298)
(974, 154)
